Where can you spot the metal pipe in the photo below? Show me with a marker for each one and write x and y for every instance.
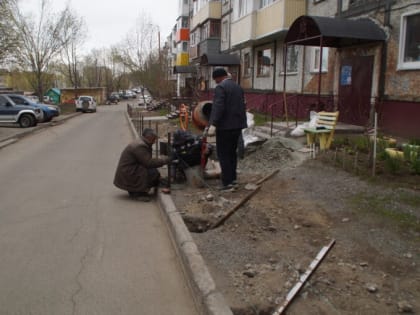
(169, 149)
(321, 48)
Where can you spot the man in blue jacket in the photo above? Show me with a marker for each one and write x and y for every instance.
(227, 119)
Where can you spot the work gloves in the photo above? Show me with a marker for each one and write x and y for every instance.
(209, 131)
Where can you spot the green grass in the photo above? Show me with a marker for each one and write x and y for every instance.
(260, 119)
(163, 112)
(382, 205)
(67, 109)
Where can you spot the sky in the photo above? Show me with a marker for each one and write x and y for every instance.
(109, 22)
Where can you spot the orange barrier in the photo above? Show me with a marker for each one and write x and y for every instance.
(183, 116)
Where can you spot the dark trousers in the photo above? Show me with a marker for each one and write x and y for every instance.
(226, 145)
(153, 177)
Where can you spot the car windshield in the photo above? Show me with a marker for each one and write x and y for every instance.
(85, 98)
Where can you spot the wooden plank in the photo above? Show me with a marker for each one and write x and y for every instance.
(236, 207)
(304, 277)
(267, 177)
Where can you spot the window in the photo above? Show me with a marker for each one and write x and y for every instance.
(242, 9)
(263, 62)
(3, 101)
(225, 31)
(247, 65)
(292, 59)
(184, 22)
(185, 46)
(409, 52)
(264, 3)
(315, 59)
(209, 30)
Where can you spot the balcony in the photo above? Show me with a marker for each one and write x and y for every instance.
(212, 10)
(278, 17)
(209, 46)
(274, 18)
(182, 59)
(194, 52)
(243, 29)
(183, 34)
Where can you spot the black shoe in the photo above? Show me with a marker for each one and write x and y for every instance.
(143, 198)
(140, 196)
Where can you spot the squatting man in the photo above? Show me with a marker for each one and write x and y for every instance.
(137, 170)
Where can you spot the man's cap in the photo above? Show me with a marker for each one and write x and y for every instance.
(219, 72)
(149, 132)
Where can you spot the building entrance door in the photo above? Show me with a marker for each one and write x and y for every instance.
(355, 88)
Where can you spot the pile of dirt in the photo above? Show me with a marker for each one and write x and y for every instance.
(258, 254)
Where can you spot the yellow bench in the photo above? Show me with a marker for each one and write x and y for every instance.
(324, 130)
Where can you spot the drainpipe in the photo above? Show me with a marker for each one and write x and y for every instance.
(321, 48)
(339, 7)
(274, 65)
(384, 52)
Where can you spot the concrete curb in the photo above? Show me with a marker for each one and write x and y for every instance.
(209, 300)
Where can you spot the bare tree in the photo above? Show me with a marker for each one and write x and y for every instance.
(43, 38)
(75, 31)
(8, 37)
(140, 42)
(141, 50)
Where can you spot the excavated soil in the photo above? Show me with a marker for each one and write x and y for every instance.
(257, 254)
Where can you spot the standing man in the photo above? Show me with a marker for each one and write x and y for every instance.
(227, 119)
(137, 169)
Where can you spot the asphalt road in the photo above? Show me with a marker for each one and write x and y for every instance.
(72, 243)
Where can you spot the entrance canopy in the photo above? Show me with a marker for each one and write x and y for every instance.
(185, 69)
(220, 60)
(333, 32)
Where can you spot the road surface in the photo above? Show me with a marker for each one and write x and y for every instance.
(71, 242)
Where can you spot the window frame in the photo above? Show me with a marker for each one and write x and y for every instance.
(315, 59)
(263, 70)
(288, 62)
(406, 65)
(247, 65)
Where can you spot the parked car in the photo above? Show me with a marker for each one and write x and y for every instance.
(113, 99)
(49, 111)
(25, 115)
(85, 103)
(116, 95)
(33, 98)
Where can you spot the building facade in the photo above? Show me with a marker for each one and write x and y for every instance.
(361, 57)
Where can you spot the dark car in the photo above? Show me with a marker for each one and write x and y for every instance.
(49, 111)
(113, 99)
(25, 115)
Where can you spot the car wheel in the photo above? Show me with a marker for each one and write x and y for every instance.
(26, 121)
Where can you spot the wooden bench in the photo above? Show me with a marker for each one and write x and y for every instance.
(324, 130)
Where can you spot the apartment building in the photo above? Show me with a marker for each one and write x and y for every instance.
(360, 57)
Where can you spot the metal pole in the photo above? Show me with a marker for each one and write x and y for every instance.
(321, 48)
(157, 142)
(375, 133)
(169, 152)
